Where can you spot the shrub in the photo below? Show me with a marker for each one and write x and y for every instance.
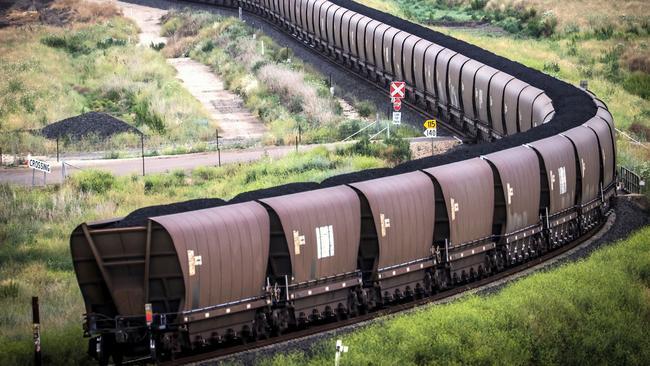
(93, 181)
(366, 108)
(551, 67)
(638, 83)
(640, 130)
(397, 150)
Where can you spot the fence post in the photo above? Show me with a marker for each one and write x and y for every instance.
(57, 149)
(36, 320)
(62, 171)
(142, 149)
(218, 148)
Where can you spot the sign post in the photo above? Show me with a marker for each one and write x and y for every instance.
(36, 320)
(431, 131)
(40, 166)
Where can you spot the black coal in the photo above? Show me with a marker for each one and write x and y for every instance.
(89, 124)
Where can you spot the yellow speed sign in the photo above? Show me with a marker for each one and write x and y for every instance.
(430, 123)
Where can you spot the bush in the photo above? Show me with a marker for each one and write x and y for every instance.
(366, 108)
(551, 67)
(640, 130)
(638, 83)
(93, 181)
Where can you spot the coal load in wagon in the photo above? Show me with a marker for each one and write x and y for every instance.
(140, 216)
(96, 124)
(282, 190)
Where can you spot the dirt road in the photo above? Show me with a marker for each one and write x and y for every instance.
(227, 108)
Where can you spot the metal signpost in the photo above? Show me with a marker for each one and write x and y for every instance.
(431, 131)
(40, 166)
(397, 93)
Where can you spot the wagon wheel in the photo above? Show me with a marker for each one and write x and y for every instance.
(353, 304)
(260, 327)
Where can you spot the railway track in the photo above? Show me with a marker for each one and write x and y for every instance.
(450, 128)
(220, 354)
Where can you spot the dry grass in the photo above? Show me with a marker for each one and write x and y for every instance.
(292, 87)
(590, 13)
(87, 11)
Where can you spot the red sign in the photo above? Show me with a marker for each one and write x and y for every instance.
(397, 89)
(397, 105)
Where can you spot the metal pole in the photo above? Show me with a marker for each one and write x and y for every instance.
(33, 176)
(57, 149)
(142, 149)
(44, 179)
(432, 146)
(388, 129)
(62, 171)
(296, 143)
(36, 320)
(218, 149)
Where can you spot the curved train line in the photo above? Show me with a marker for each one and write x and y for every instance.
(266, 263)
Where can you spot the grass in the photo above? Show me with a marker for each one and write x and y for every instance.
(35, 225)
(283, 92)
(594, 311)
(92, 63)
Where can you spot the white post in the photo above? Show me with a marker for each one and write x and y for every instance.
(340, 348)
(388, 129)
(62, 171)
(240, 13)
(262, 47)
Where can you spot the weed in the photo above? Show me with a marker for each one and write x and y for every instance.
(93, 181)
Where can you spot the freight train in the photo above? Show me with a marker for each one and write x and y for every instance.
(181, 282)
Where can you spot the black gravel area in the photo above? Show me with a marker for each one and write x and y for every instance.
(139, 217)
(629, 217)
(97, 124)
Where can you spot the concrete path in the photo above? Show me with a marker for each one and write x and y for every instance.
(227, 108)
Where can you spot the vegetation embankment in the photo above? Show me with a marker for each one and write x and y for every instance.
(35, 225)
(73, 57)
(284, 92)
(604, 42)
(595, 311)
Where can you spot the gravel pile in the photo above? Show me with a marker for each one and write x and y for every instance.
(97, 124)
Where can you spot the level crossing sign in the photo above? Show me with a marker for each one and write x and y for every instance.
(397, 89)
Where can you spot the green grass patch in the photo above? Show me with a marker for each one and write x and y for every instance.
(594, 311)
